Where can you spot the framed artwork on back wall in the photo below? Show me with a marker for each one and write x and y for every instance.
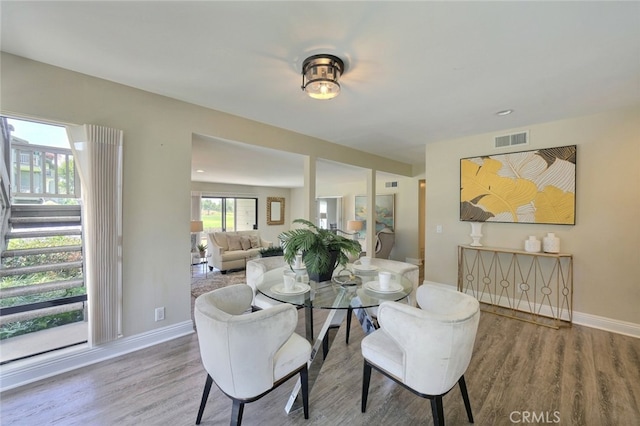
(537, 186)
(384, 215)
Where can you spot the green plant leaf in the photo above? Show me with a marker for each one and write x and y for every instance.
(316, 245)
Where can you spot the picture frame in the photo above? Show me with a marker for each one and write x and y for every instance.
(384, 215)
(535, 186)
(275, 211)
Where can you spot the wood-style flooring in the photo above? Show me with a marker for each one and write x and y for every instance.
(520, 373)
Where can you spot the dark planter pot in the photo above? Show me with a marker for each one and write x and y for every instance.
(272, 252)
(325, 275)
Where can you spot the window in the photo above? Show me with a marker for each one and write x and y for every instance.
(49, 311)
(229, 213)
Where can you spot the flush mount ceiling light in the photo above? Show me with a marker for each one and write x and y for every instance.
(505, 112)
(320, 75)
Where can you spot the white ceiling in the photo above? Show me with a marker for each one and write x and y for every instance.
(416, 72)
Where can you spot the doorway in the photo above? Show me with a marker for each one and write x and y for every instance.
(422, 209)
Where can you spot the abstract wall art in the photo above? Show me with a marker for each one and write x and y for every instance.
(383, 215)
(537, 186)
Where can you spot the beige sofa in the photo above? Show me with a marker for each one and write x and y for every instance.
(231, 250)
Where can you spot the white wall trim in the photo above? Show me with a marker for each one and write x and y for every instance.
(20, 373)
(607, 324)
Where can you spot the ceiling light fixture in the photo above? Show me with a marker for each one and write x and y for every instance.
(505, 112)
(320, 74)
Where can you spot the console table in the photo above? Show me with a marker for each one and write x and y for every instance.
(533, 287)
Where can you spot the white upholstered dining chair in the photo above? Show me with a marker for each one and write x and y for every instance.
(255, 271)
(426, 350)
(407, 270)
(248, 354)
(385, 238)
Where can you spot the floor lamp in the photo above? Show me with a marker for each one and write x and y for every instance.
(196, 227)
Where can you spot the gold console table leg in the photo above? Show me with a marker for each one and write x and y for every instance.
(532, 287)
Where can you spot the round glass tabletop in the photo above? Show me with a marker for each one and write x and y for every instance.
(350, 287)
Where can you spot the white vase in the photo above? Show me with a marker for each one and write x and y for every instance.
(476, 234)
(532, 245)
(551, 243)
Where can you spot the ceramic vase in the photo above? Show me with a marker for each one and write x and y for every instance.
(532, 245)
(476, 234)
(551, 243)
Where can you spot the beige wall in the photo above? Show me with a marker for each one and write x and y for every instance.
(405, 214)
(606, 236)
(158, 133)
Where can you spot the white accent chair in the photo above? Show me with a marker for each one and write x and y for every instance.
(407, 270)
(248, 354)
(255, 271)
(426, 350)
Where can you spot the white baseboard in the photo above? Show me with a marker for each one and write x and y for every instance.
(607, 324)
(588, 320)
(40, 367)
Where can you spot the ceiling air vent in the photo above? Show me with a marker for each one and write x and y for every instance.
(391, 184)
(514, 139)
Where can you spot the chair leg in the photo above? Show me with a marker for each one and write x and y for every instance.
(434, 411)
(437, 410)
(366, 378)
(304, 381)
(325, 345)
(205, 396)
(236, 412)
(465, 397)
(349, 312)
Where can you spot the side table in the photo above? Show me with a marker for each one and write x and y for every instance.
(203, 263)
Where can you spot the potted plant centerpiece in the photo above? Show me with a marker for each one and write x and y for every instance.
(322, 249)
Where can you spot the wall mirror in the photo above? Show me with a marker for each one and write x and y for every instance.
(275, 211)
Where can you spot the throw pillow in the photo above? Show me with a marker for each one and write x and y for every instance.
(255, 241)
(234, 242)
(245, 242)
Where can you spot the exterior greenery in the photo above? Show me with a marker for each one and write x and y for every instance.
(23, 327)
(317, 246)
(19, 328)
(214, 220)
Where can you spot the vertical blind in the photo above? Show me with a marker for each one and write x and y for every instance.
(97, 151)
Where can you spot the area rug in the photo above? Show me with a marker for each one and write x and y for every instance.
(214, 280)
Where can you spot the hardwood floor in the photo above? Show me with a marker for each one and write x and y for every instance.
(520, 373)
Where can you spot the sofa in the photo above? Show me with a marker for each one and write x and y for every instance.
(231, 250)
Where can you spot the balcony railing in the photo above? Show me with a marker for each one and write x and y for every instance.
(43, 172)
(42, 270)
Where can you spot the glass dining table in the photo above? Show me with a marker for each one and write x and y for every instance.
(355, 288)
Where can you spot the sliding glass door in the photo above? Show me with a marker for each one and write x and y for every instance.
(229, 213)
